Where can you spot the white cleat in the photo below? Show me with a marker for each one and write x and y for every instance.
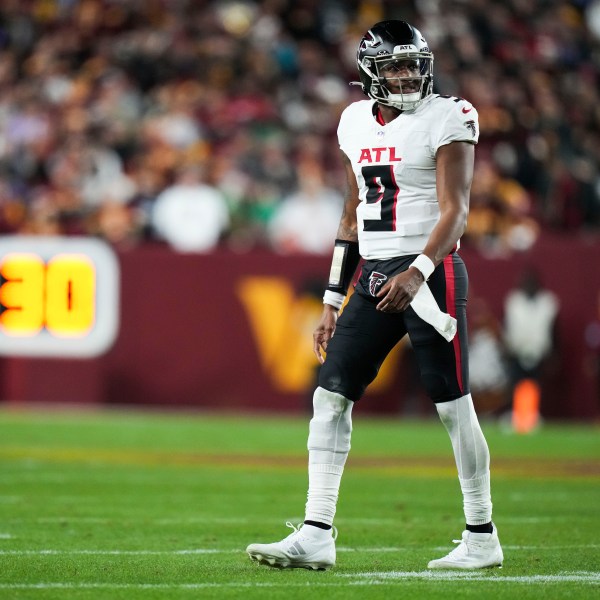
(474, 551)
(298, 550)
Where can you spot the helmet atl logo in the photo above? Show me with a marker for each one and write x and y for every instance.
(376, 280)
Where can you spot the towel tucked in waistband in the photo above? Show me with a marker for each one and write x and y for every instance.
(427, 308)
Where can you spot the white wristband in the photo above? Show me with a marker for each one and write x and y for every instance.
(334, 299)
(424, 264)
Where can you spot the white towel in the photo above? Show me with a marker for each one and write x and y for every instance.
(427, 308)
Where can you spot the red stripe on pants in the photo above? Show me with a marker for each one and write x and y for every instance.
(451, 308)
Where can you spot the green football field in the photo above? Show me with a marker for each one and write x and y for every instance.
(160, 505)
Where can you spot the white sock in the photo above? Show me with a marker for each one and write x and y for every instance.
(477, 499)
(328, 446)
(472, 457)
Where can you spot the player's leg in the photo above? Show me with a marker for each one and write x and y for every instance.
(330, 430)
(479, 546)
(362, 340)
(312, 545)
(444, 372)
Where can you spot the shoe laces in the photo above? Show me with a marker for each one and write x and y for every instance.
(461, 550)
(296, 529)
(466, 545)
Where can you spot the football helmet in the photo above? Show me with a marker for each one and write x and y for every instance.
(395, 65)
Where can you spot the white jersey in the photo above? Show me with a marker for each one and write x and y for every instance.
(395, 169)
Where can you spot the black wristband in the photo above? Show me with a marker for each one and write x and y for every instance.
(343, 266)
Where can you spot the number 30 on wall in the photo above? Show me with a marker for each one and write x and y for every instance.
(58, 296)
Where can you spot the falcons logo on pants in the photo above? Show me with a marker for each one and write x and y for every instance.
(376, 280)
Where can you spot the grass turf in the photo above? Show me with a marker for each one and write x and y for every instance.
(148, 505)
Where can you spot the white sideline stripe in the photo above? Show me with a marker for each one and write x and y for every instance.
(242, 520)
(114, 552)
(176, 520)
(385, 577)
(528, 548)
(376, 578)
(162, 552)
(167, 586)
(571, 547)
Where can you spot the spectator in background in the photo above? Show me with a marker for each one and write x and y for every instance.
(307, 220)
(530, 313)
(191, 216)
(118, 223)
(488, 375)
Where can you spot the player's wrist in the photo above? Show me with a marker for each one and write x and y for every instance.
(333, 299)
(424, 265)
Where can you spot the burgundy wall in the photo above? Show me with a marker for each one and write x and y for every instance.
(186, 338)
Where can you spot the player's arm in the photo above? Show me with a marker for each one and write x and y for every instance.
(344, 263)
(453, 181)
(348, 228)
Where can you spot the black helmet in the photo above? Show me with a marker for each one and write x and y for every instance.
(389, 42)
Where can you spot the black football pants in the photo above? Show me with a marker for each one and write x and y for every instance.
(364, 336)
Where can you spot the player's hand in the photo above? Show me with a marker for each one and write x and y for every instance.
(399, 291)
(324, 331)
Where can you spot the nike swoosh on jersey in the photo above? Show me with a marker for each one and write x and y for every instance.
(467, 110)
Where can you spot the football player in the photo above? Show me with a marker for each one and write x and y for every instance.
(409, 157)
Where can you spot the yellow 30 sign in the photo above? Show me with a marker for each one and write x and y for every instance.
(58, 296)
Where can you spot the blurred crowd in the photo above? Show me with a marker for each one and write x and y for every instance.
(203, 123)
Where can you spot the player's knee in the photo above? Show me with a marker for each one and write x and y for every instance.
(347, 381)
(436, 386)
(329, 405)
(331, 424)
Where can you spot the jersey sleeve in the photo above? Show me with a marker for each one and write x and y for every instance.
(460, 125)
(342, 130)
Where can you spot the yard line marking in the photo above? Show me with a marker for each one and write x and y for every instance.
(383, 522)
(167, 586)
(183, 520)
(113, 552)
(51, 552)
(554, 519)
(516, 547)
(382, 549)
(386, 576)
(375, 578)
(568, 547)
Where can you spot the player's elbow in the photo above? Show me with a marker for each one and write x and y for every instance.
(457, 216)
(462, 217)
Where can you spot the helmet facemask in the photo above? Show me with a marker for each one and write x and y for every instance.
(401, 79)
